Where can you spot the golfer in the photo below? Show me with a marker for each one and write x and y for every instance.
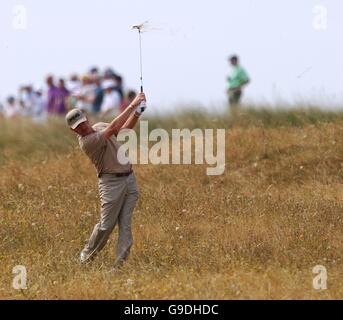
(117, 183)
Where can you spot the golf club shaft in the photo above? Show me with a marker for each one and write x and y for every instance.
(141, 58)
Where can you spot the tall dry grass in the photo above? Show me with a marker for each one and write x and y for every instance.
(255, 232)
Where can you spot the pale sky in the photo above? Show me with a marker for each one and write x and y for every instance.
(185, 59)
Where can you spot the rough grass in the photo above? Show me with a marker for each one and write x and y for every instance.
(255, 232)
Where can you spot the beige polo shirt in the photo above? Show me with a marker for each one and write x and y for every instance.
(102, 152)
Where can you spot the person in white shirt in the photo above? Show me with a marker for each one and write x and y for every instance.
(111, 101)
(11, 108)
(39, 114)
(86, 95)
(27, 100)
(2, 109)
(74, 84)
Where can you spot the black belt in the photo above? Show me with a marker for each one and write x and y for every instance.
(126, 174)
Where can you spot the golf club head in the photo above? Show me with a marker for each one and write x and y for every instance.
(137, 27)
(140, 26)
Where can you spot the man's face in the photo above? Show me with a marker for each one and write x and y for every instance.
(86, 81)
(50, 81)
(97, 81)
(11, 101)
(234, 62)
(83, 129)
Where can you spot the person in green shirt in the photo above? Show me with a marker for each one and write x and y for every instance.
(236, 82)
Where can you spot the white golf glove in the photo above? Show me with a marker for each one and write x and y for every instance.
(141, 108)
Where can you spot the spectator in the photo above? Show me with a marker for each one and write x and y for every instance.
(53, 93)
(131, 95)
(94, 93)
(74, 84)
(86, 95)
(61, 99)
(236, 82)
(109, 74)
(39, 113)
(98, 94)
(112, 101)
(119, 86)
(94, 72)
(27, 100)
(11, 108)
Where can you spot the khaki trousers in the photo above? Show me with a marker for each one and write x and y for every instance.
(118, 199)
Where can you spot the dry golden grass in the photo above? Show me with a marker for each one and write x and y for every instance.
(254, 233)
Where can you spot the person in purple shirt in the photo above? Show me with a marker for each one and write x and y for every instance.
(56, 102)
(62, 96)
(53, 93)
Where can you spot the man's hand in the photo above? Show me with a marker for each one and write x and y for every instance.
(122, 120)
(138, 100)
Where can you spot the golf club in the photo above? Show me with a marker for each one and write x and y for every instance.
(139, 27)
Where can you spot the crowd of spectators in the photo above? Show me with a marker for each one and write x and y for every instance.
(97, 93)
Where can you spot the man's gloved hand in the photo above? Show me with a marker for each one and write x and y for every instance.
(140, 103)
(141, 108)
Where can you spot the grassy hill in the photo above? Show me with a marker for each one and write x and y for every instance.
(255, 232)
